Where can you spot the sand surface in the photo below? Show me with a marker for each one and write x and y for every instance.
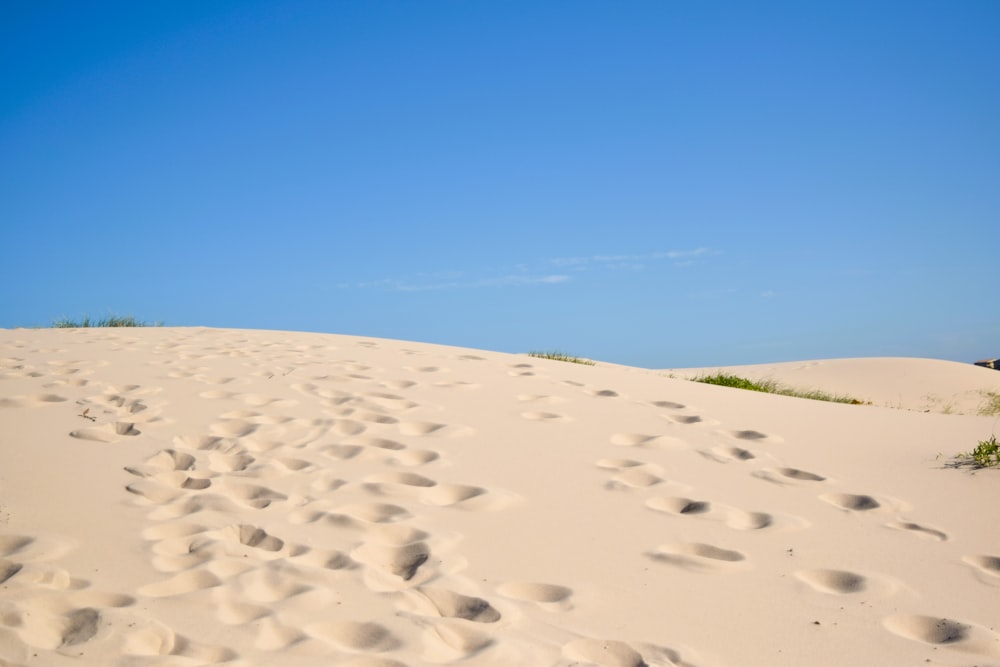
(926, 385)
(185, 496)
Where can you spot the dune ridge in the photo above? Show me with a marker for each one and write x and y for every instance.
(191, 496)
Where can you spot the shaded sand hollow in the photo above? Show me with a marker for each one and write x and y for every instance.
(186, 496)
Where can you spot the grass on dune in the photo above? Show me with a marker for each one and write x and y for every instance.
(559, 356)
(771, 387)
(991, 403)
(986, 454)
(110, 321)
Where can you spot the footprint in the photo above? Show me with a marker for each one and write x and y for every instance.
(605, 653)
(635, 478)
(37, 400)
(544, 594)
(233, 428)
(751, 435)
(833, 581)
(928, 629)
(683, 419)
(412, 458)
(787, 475)
(257, 497)
(273, 636)
(107, 432)
(678, 505)
(255, 537)
(617, 464)
(728, 454)
(451, 640)
(8, 569)
(604, 393)
(632, 439)
(848, 501)
(446, 495)
(698, 557)
(919, 530)
(743, 520)
(669, 405)
(373, 512)
(354, 636)
(454, 605)
(542, 416)
(401, 561)
(272, 583)
(989, 566)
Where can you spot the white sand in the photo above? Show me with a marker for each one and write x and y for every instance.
(270, 498)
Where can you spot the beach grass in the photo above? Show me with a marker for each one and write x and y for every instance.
(987, 453)
(87, 322)
(559, 356)
(771, 387)
(990, 406)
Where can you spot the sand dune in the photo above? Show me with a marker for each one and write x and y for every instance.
(926, 385)
(182, 496)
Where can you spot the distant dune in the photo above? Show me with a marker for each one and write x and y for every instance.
(189, 496)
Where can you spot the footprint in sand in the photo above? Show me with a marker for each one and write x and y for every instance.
(551, 597)
(919, 530)
(787, 475)
(753, 436)
(603, 652)
(727, 454)
(668, 405)
(699, 557)
(401, 561)
(852, 502)
(679, 505)
(636, 477)
(354, 636)
(450, 640)
(685, 420)
(34, 401)
(449, 604)
(945, 632)
(988, 567)
(633, 439)
(109, 433)
(837, 582)
(542, 416)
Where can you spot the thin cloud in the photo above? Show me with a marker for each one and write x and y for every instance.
(522, 275)
(417, 285)
(634, 262)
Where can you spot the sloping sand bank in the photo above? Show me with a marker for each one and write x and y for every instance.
(927, 385)
(196, 497)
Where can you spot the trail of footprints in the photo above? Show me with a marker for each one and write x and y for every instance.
(287, 590)
(634, 474)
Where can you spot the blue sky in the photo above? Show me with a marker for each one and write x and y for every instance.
(662, 184)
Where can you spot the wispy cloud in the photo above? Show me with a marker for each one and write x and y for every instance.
(421, 283)
(633, 261)
(523, 275)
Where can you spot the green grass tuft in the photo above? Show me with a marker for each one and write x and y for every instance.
(771, 387)
(110, 321)
(559, 356)
(987, 453)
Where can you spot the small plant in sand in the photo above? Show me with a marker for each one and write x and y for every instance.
(109, 321)
(987, 453)
(559, 356)
(771, 387)
(991, 403)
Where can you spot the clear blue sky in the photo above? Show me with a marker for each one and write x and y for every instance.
(662, 184)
